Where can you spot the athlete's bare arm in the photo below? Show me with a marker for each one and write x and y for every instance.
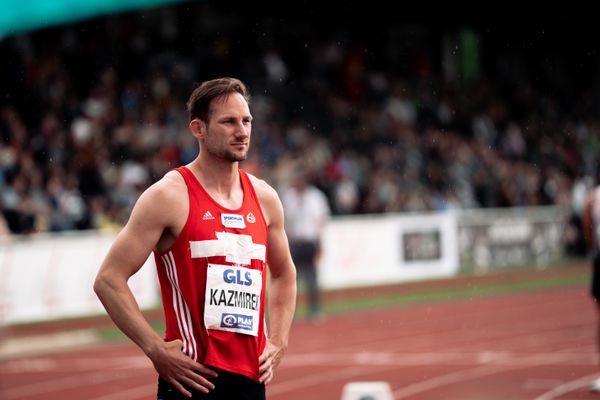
(282, 290)
(156, 220)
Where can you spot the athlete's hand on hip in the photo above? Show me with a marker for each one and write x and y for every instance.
(178, 369)
(269, 360)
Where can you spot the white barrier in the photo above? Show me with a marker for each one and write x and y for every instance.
(500, 238)
(372, 250)
(367, 391)
(390, 248)
(51, 276)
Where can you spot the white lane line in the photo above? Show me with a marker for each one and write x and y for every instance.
(480, 371)
(360, 363)
(20, 346)
(519, 333)
(541, 384)
(316, 378)
(44, 364)
(447, 379)
(486, 357)
(70, 382)
(567, 387)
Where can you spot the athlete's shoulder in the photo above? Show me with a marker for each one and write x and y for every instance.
(161, 204)
(172, 179)
(268, 199)
(261, 187)
(167, 190)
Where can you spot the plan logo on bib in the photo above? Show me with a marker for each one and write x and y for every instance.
(237, 321)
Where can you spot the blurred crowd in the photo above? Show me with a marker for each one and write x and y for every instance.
(392, 120)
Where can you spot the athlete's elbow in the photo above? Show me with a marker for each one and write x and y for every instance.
(102, 285)
(99, 285)
(285, 275)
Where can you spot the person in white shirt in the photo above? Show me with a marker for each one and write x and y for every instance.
(306, 213)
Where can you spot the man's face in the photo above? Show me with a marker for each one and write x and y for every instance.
(228, 128)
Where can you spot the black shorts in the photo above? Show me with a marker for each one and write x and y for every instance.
(596, 278)
(228, 386)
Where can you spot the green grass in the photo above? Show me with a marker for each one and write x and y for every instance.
(113, 334)
(468, 292)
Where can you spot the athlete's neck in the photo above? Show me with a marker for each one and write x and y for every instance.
(221, 179)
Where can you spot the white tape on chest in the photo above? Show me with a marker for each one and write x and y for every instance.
(237, 249)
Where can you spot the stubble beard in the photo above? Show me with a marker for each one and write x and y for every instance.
(226, 154)
(233, 157)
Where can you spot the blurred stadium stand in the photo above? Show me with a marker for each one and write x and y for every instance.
(391, 115)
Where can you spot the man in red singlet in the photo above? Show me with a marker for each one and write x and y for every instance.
(216, 231)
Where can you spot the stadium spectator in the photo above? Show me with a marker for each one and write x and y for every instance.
(307, 212)
(211, 227)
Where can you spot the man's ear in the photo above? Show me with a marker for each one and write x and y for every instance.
(198, 128)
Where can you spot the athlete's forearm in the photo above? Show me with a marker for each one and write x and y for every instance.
(121, 306)
(282, 304)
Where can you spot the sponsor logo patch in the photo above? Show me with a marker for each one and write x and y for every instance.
(250, 218)
(237, 321)
(207, 215)
(233, 221)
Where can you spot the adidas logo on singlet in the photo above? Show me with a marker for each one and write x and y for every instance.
(207, 215)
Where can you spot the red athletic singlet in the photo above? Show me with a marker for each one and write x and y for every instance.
(213, 278)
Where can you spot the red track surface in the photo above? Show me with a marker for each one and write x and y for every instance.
(537, 345)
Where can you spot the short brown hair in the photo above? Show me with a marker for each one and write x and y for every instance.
(198, 105)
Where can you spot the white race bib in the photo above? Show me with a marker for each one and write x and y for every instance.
(232, 299)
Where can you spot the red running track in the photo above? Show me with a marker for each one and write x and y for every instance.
(538, 345)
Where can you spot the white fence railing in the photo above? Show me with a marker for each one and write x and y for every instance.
(389, 248)
(46, 277)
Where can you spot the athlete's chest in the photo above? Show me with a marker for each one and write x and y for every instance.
(238, 235)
